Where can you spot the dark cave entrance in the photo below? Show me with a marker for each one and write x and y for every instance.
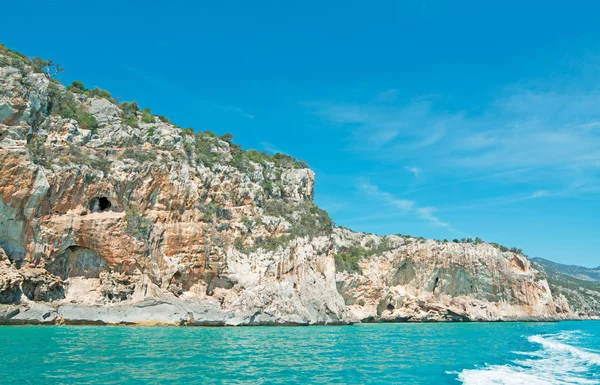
(100, 204)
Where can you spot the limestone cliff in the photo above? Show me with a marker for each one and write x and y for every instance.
(110, 214)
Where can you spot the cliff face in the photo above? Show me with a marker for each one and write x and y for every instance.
(110, 214)
(408, 279)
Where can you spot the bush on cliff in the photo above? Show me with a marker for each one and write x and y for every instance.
(64, 105)
(39, 153)
(138, 154)
(138, 226)
(147, 116)
(307, 220)
(100, 93)
(348, 259)
(76, 87)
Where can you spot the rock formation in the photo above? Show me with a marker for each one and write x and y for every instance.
(109, 214)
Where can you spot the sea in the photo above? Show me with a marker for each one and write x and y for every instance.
(406, 353)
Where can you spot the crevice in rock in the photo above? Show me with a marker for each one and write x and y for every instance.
(100, 204)
(435, 284)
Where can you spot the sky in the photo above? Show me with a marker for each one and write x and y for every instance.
(429, 118)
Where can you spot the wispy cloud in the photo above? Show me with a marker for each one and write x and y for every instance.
(539, 194)
(405, 206)
(270, 148)
(374, 126)
(550, 129)
(414, 170)
(236, 110)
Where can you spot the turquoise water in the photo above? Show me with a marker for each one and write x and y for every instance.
(472, 353)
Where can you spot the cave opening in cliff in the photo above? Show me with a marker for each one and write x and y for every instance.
(100, 204)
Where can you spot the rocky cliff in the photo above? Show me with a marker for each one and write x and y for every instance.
(110, 214)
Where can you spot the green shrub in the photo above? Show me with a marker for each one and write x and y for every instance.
(238, 243)
(138, 155)
(202, 145)
(163, 119)
(151, 131)
(76, 87)
(348, 259)
(256, 156)
(129, 108)
(147, 116)
(64, 105)
(238, 161)
(39, 65)
(188, 147)
(39, 153)
(131, 121)
(138, 226)
(270, 243)
(248, 223)
(99, 93)
(88, 122)
(307, 220)
(212, 210)
(226, 137)
(268, 187)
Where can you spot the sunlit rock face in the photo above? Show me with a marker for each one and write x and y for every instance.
(109, 214)
(426, 280)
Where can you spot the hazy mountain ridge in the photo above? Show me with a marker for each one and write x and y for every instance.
(579, 272)
(583, 295)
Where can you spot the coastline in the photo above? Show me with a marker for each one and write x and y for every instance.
(163, 314)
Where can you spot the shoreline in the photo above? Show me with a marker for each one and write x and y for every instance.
(68, 315)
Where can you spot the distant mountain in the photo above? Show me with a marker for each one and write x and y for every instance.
(579, 272)
(580, 286)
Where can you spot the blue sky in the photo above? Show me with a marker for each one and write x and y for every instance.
(419, 117)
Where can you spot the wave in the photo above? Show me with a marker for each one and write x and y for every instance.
(556, 363)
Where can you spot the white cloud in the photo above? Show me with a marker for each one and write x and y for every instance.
(427, 213)
(414, 170)
(551, 130)
(374, 126)
(540, 194)
(404, 205)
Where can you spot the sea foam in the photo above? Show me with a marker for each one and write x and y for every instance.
(556, 363)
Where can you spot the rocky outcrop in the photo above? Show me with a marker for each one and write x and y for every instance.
(409, 279)
(109, 214)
